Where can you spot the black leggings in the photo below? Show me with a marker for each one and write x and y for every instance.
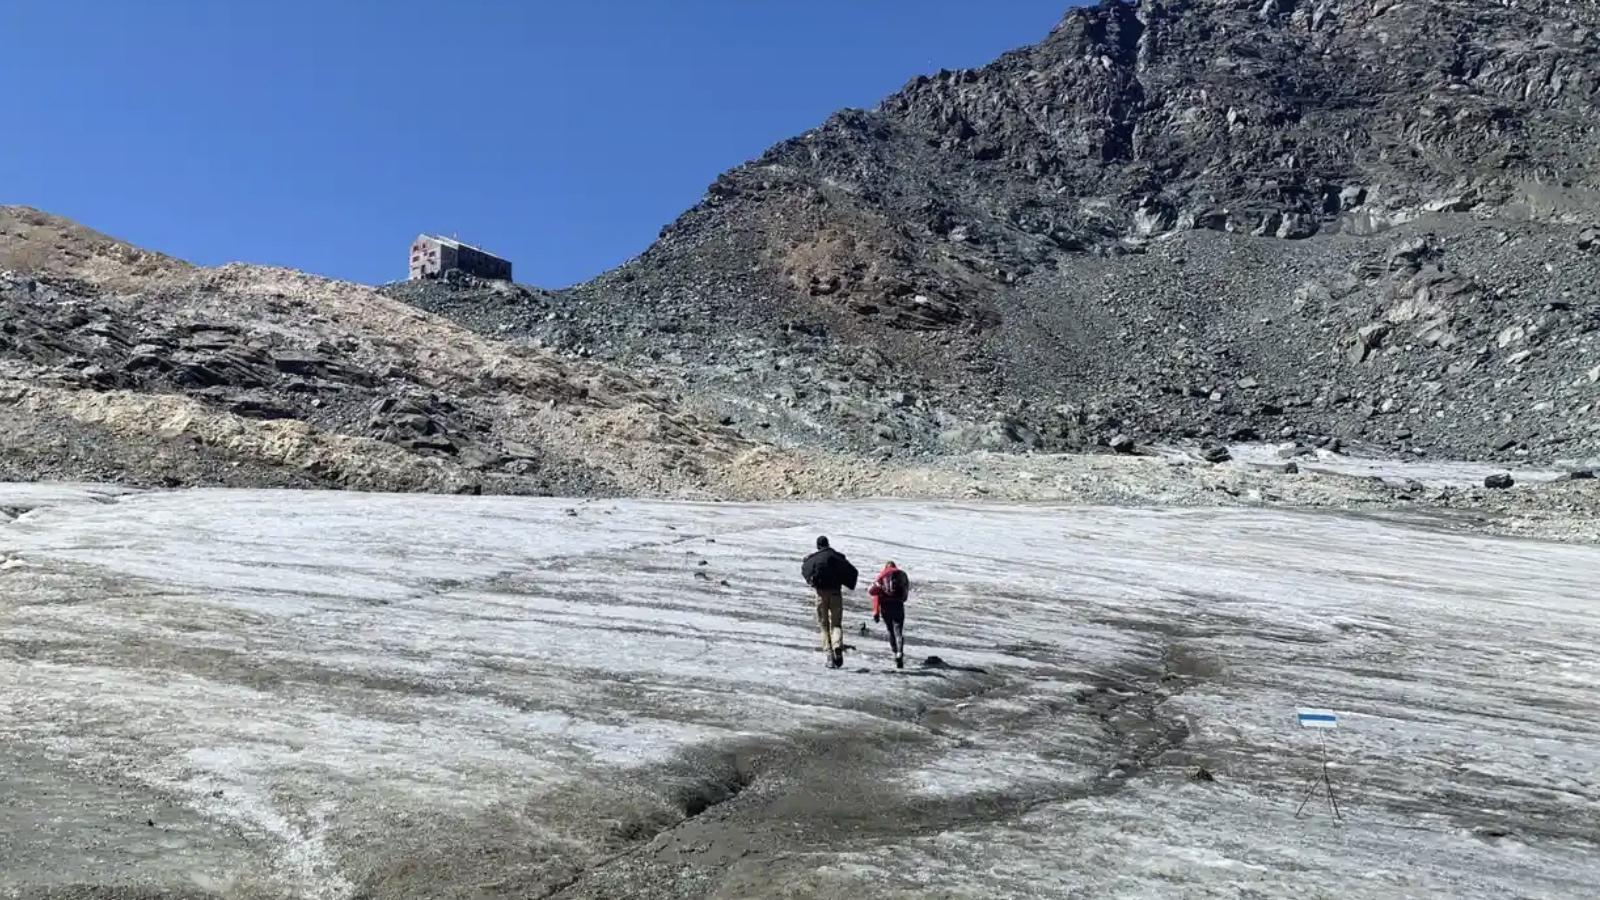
(894, 619)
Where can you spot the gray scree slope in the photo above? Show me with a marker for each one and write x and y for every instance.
(1369, 220)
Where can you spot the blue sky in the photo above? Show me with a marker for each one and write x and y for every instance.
(325, 135)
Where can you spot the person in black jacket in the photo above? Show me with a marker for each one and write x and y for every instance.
(829, 573)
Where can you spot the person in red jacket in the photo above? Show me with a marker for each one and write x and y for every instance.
(889, 593)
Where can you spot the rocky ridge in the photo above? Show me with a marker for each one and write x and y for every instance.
(1358, 222)
(877, 308)
(256, 376)
(166, 373)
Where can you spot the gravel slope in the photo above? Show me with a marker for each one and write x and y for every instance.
(1368, 221)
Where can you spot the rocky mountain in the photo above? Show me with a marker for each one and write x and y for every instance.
(1360, 221)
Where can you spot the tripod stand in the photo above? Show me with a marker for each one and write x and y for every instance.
(1321, 779)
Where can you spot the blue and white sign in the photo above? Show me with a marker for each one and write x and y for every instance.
(1318, 718)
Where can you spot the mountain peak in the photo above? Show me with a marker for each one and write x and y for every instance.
(1081, 233)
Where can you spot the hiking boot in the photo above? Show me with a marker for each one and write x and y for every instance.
(838, 659)
(899, 661)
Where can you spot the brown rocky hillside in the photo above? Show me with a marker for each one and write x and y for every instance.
(121, 364)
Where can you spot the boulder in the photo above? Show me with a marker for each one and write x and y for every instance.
(1002, 435)
(251, 408)
(1371, 336)
(1368, 339)
(415, 422)
(1499, 482)
(432, 445)
(1296, 227)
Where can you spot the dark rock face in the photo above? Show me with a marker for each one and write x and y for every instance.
(1177, 219)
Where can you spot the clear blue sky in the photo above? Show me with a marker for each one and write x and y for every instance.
(324, 136)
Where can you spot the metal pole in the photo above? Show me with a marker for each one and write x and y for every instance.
(1324, 779)
(1307, 799)
(1332, 800)
(1311, 791)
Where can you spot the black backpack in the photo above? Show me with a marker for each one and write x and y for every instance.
(899, 586)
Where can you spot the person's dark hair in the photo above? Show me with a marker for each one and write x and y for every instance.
(891, 564)
(822, 543)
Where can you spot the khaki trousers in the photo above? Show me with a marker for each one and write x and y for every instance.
(830, 615)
